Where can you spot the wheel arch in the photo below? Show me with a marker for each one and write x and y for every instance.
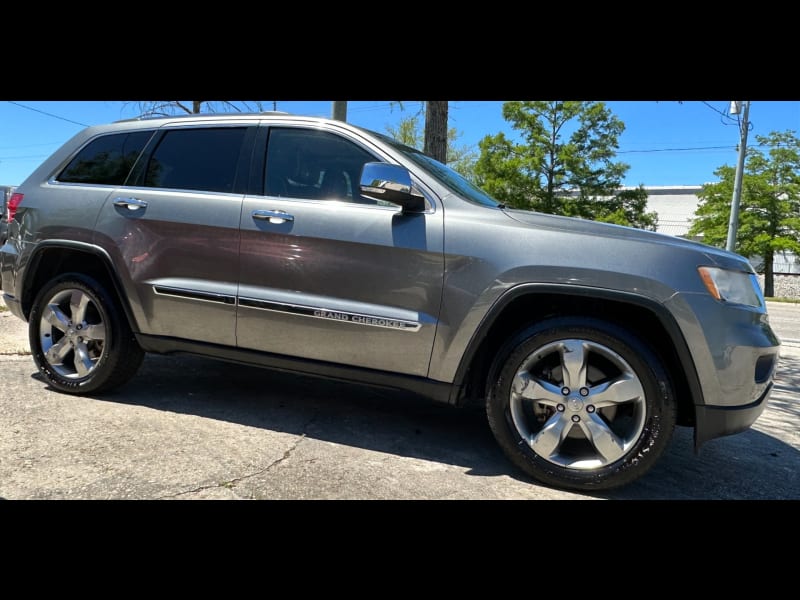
(56, 257)
(526, 304)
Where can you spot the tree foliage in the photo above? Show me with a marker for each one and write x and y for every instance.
(625, 207)
(769, 210)
(461, 158)
(563, 163)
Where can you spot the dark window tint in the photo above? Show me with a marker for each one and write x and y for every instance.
(196, 159)
(106, 160)
(307, 163)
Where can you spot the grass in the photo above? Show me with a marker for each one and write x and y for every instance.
(3, 307)
(788, 300)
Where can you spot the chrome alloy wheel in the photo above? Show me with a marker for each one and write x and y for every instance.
(72, 334)
(577, 404)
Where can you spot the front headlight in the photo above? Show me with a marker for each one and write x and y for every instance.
(732, 286)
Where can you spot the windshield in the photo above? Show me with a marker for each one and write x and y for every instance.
(442, 173)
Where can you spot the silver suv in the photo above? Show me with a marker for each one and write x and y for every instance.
(313, 246)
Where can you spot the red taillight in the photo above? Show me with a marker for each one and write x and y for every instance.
(13, 204)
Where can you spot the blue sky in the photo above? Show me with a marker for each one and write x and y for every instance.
(665, 143)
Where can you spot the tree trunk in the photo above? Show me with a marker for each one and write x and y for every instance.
(436, 130)
(196, 106)
(769, 279)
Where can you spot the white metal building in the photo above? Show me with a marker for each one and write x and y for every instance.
(676, 205)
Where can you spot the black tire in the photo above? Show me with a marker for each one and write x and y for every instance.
(605, 433)
(80, 340)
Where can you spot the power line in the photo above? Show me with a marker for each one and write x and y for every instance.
(676, 149)
(47, 113)
(729, 147)
(719, 112)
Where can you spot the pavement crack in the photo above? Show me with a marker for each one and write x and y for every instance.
(231, 483)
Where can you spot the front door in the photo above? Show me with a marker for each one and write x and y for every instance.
(329, 275)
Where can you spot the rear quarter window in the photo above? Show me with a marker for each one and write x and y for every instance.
(106, 160)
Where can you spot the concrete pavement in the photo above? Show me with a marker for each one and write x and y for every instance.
(187, 427)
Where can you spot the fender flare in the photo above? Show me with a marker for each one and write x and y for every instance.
(101, 253)
(663, 315)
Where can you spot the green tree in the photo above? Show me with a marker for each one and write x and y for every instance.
(769, 211)
(461, 158)
(563, 164)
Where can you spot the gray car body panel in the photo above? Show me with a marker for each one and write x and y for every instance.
(531, 247)
(342, 258)
(400, 293)
(180, 242)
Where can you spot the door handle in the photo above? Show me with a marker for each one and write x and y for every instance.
(273, 216)
(130, 203)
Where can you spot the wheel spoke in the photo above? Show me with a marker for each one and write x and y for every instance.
(77, 305)
(57, 352)
(605, 441)
(626, 388)
(549, 439)
(573, 364)
(95, 332)
(55, 316)
(83, 362)
(536, 389)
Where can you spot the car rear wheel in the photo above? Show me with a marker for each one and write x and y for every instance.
(80, 341)
(580, 404)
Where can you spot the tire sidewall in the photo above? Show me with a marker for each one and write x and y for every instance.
(107, 312)
(658, 402)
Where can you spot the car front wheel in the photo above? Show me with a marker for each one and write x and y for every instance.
(580, 404)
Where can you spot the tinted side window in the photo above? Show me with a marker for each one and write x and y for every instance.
(196, 159)
(106, 160)
(308, 163)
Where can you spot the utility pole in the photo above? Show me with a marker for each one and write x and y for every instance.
(733, 224)
(339, 110)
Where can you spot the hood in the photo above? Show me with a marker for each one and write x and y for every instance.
(596, 229)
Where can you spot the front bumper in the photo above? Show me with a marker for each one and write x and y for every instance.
(717, 421)
(735, 354)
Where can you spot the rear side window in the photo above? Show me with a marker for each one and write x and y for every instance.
(106, 160)
(196, 159)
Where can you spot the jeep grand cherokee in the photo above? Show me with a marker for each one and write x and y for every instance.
(313, 246)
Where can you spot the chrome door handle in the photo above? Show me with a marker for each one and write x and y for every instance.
(273, 216)
(130, 203)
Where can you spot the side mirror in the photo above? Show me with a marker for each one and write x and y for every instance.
(390, 183)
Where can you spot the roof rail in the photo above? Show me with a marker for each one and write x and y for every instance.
(205, 114)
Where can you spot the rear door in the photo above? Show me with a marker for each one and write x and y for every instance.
(173, 231)
(329, 275)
